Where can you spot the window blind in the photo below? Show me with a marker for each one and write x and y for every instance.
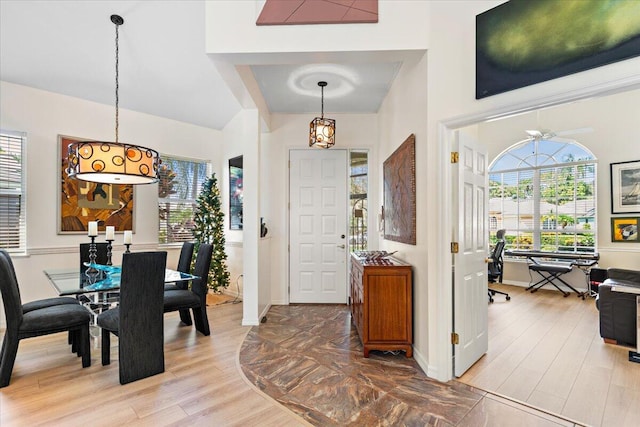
(546, 201)
(12, 194)
(180, 183)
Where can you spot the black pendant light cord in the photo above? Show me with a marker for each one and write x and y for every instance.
(118, 21)
(322, 102)
(322, 85)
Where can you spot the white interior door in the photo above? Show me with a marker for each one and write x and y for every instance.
(470, 269)
(318, 226)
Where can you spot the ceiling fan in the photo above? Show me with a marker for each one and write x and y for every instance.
(545, 134)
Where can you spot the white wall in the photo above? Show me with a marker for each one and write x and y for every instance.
(402, 113)
(231, 29)
(242, 137)
(44, 116)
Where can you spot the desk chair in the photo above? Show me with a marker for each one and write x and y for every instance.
(138, 320)
(196, 297)
(41, 319)
(496, 266)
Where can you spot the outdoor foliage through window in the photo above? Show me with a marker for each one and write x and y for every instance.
(358, 183)
(543, 193)
(180, 183)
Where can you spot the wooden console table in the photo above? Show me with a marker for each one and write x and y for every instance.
(382, 304)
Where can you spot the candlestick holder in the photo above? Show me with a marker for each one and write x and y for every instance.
(109, 251)
(91, 272)
(127, 245)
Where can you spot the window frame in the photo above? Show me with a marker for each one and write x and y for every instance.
(181, 201)
(537, 230)
(21, 192)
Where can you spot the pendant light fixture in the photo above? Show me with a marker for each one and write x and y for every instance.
(113, 162)
(322, 131)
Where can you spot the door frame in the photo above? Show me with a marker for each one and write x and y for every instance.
(441, 298)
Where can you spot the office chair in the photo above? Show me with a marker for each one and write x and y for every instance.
(496, 266)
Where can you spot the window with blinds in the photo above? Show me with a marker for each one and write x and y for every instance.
(180, 183)
(543, 193)
(12, 192)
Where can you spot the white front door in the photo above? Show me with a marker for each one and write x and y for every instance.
(471, 231)
(318, 226)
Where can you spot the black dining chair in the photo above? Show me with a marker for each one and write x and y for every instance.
(138, 319)
(194, 299)
(41, 319)
(184, 266)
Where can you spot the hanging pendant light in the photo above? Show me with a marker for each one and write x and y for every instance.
(322, 131)
(113, 162)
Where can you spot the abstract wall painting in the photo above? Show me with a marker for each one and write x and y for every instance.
(399, 209)
(522, 42)
(81, 201)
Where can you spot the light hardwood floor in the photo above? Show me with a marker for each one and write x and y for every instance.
(201, 384)
(546, 351)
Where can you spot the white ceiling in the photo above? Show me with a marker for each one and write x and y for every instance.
(68, 47)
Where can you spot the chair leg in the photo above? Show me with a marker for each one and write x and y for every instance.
(106, 347)
(185, 317)
(9, 351)
(3, 347)
(201, 320)
(85, 345)
(75, 342)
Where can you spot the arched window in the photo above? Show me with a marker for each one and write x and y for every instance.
(543, 193)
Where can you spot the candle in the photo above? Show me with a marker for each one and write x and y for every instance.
(127, 237)
(111, 231)
(93, 228)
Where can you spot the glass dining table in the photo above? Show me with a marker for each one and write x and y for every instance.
(98, 279)
(97, 287)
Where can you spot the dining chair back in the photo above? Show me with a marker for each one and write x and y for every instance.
(196, 297)
(184, 266)
(186, 256)
(138, 320)
(40, 320)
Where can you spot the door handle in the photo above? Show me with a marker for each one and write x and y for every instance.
(341, 246)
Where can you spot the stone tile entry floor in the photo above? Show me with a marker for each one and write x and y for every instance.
(309, 358)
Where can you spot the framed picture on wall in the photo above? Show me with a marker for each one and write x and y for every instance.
(625, 187)
(625, 229)
(81, 201)
(399, 178)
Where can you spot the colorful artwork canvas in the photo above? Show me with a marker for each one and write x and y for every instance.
(522, 42)
(83, 201)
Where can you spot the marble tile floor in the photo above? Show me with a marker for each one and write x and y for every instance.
(309, 359)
